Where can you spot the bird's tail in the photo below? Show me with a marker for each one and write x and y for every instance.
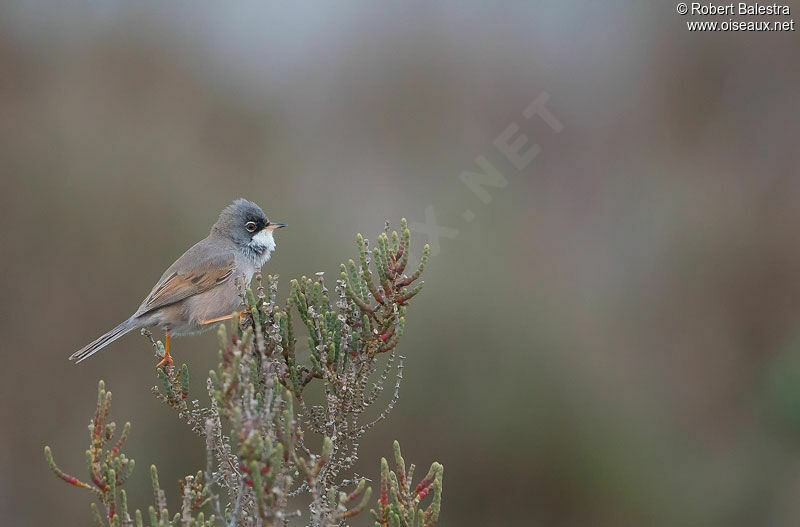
(103, 341)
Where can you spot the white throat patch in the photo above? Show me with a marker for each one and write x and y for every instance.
(262, 245)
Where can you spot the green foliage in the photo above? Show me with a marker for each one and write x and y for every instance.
(109, 469)
(400, 501)
(257, 418)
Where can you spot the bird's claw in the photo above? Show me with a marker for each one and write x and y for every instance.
(167, 360)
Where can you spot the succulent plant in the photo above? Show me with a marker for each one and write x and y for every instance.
(258, 459)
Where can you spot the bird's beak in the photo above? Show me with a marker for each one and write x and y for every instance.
(271, 226)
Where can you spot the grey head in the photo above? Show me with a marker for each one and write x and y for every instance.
(245, 224)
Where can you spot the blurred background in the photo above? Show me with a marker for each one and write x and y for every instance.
(612, 339)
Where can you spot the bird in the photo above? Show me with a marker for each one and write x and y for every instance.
(202, 287)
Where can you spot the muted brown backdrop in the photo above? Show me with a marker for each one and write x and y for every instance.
(613, 339)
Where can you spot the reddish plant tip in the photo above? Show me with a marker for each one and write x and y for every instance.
(422, 485)
(264, 470)
(184, 396)
(248, 482)
(97, 481)
(424, 492)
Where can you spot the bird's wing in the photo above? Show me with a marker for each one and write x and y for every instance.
(197, 271)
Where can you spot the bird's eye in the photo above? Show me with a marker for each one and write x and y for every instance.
(250, 226)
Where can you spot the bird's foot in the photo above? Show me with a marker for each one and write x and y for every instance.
(244, 318)
(167, 360)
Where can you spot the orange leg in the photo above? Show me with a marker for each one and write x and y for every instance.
(219, 319)
(167, 359)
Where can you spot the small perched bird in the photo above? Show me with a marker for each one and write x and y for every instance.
(202, 287)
